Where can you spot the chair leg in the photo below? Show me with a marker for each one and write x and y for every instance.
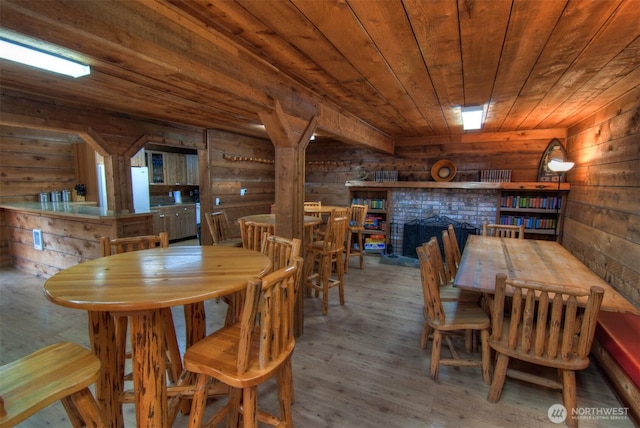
(325, 276)
(361, 249)
(285, 393)
(288, 374)
(435, 354)
(233, 409)
(499, 375)
(348, 254)
(84, 406)
(424, 337)
(340, 274)
(569, 396)
(486, 356)
(199, 401)
(250, 407)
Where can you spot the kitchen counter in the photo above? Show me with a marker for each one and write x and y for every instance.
(69, 232)
(75, 209)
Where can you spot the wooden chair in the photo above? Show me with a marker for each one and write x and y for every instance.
(313, 204)
(63, 371)
(503, 230)
(446, 318)
(282, 253)
(325, 254)
(251, 233)
(336, 212)
(247, 353)
(218, 224)
(355, 227)
(546, 328)
(136, 243)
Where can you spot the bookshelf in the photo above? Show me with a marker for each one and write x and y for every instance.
(376, 229)
(541, 212)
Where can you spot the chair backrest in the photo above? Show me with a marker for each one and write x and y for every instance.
(314, 204)
(503, 231)
(134, 243)
(433, 249)
(335, 235)
(281, 251)
(218, 224)
(251, 233)
(268, 312)
(457, 255)
(430, 287)
(449, 259)
(545, 322)
(358, 216)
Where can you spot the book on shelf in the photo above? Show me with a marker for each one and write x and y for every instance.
(373, 204)
(540, 202)
(530, 222)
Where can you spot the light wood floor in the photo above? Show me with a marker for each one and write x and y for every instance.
(359, 366)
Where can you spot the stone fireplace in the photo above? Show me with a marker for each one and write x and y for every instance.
(468, 206)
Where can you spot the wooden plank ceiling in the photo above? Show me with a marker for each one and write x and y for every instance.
(402, 67)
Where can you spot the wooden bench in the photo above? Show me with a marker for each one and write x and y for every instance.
(617, 350)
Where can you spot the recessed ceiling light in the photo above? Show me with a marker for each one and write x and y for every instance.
(472, 117)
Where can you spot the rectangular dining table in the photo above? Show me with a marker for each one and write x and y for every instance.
(140, 284)
(547, 261)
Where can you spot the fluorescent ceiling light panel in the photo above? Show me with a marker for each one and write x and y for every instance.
(36, 58)
(472, 117)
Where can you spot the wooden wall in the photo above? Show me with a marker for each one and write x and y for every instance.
(330, 163)
(33, 161)
(602, 225)
(236, 162)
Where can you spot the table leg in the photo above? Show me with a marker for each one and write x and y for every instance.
(149, 369)
(102, 335)
(195, 322)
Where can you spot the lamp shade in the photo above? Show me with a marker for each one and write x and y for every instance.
(559, 166)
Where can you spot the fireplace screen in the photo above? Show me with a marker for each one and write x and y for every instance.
(419, 231)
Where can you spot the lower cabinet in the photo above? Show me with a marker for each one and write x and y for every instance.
(178, 221)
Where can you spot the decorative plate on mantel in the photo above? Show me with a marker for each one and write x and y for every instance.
(443, 170)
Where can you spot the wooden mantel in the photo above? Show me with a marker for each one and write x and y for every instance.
(474, 185)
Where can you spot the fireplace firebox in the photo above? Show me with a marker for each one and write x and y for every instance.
(419, 231)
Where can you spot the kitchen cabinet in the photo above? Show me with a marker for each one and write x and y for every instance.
(157, 167)
(172, 168)
(192, 170)
(179, 221)
(176, 170)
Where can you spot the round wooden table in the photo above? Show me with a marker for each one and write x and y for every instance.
(140, 284)
(309, 220)
(323, 209)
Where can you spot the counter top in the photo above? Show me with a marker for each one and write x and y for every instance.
(69, 209)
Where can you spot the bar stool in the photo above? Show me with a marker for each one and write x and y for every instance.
(325, 254)
(355, 227)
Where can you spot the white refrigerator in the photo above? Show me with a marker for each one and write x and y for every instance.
(140, 188)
